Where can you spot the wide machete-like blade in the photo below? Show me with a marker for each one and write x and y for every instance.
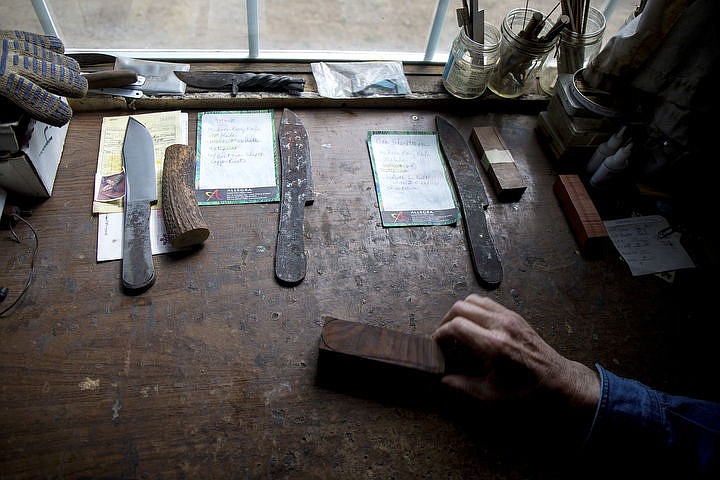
(473, 201)
(295, 192)
(138, 271)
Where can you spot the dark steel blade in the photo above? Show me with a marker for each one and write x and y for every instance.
(473, 202)
(234, 82)
(139, 162)
(290, 258)
(138, 271)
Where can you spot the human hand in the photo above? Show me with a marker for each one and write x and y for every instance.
(35, 75)
(508, 360)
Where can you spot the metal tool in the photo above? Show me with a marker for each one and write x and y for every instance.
(295, 193)
(473, 202)
(235, 82)
(122, 83)
(138, 271)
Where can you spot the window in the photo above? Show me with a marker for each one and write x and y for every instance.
(422, 30)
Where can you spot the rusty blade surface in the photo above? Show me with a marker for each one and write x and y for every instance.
(473, 202)
(295, 190)
(138, 271)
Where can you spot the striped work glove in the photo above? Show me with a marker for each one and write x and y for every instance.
(35, 75)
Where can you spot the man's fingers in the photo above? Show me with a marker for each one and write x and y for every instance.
(480, 310)
(486, 303)
(478, 339)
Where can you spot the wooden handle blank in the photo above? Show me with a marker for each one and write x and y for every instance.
(184, 224)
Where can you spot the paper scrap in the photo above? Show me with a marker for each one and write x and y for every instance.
(166, 128)
(110, 235)
(412, 184)
(637, 240)
(237, 158)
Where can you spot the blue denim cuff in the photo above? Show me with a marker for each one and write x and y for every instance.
(626, 408)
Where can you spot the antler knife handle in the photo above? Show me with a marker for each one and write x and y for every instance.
(184, 223)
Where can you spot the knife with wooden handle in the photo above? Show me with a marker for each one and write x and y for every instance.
(110, 78)
(138, 271)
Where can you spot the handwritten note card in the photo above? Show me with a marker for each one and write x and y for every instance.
(637, 240)
(413, 187)
(236, 158)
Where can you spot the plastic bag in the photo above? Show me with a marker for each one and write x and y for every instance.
(360, 79)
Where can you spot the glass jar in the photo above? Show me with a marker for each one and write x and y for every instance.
(520, 57)
(574, 51)
(470, 63)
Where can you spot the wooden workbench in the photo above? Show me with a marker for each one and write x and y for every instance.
(211, 373)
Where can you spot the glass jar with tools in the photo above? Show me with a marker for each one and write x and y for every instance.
(470, 63)
(526, 41)
(578, 45)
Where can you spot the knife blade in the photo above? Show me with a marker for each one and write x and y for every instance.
(473, 202)
(138, 154)
(234, 82)
(295, 192)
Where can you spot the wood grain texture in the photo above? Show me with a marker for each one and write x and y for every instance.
(184, 223)
(581, 214)
(382, 345)
(504, 175)
(212, 372)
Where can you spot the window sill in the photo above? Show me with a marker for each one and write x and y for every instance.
(425, 84)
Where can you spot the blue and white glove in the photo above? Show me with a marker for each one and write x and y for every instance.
(35, 75)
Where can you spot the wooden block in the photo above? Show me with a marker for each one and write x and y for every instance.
(381, 345)
(366, 360)
(498, 162)
(584, 220)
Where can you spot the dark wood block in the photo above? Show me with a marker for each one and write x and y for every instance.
(498, 162)
(370, 361)
(581, 214)
(382, 345)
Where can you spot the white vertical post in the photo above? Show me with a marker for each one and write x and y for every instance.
(253, 24)
(42, 10)
(437, 25)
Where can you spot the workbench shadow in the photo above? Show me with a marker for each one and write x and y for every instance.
(538, 434)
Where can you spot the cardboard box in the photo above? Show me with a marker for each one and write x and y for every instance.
(31, 170)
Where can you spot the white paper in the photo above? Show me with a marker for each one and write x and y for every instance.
(237, 150)
(410, 172)
(637, 240)
(110, 235)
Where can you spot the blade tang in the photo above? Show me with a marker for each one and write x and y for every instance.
(138, 270)
(473, 202)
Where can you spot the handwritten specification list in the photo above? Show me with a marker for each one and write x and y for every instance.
(236, 157)
(410, 178)
(646, 247)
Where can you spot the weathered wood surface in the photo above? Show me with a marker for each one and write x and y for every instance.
(211, 373)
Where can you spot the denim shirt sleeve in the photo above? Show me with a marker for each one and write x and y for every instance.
(672, 432)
